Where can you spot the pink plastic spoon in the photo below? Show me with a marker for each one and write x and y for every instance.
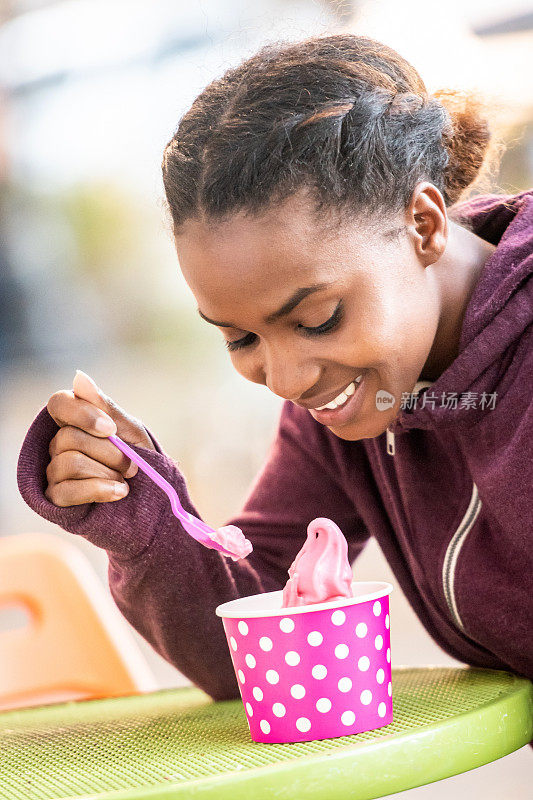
(194, 526)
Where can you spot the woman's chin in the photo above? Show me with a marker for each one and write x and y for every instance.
(368, 428)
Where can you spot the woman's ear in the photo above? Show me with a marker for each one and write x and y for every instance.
(427, 221)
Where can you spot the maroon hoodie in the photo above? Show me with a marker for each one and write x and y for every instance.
(446, 491)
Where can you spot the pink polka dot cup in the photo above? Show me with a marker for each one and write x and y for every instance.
(316, 671)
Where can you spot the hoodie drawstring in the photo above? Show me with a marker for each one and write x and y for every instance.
(391, 446)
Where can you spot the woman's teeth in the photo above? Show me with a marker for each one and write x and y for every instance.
(342, 397)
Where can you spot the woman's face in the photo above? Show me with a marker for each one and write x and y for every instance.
(375, 313)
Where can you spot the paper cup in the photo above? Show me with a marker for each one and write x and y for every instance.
(316, 671)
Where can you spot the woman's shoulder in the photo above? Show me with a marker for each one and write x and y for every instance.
(486, 202)
(489, 215)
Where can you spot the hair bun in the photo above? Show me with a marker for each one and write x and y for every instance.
(466, 140)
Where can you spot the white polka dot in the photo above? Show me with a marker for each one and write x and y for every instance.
(348, 718)
(377, 608)
(243, 628)
(323, 704)
(265, 727)
(257, 693)
(344, 685)
(387, 622)
(249, 709)
(286, 625)
(389, 689)
(338, 617)
(265, 643)
(292, 658)
(382, 709)
(233, 642)
(342, 650)
(361, 630)
(250, 660)
(240, 673)
(378, 641)
(380, 676)
(363, 663)
(298, 691)
(388, 655)
(315, 638)
(319, 671)
(279, 709)
(303, 724)
(272, 676)
(366, 697)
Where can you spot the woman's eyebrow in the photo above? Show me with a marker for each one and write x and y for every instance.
(286, 308)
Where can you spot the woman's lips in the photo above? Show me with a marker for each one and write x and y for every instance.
(336, 416)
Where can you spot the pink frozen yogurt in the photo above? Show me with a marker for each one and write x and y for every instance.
(234, 540)
(321, 571)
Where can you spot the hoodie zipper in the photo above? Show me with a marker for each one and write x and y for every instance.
(452, 554)
(391, 446)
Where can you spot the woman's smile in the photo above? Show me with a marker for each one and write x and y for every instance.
(351, 401)
(338, 400)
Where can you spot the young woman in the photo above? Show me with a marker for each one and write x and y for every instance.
(314, 194)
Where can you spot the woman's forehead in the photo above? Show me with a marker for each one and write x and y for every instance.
(248, 254)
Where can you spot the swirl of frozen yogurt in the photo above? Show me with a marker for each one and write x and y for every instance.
(321, 571)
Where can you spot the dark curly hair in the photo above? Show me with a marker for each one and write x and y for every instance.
(343, 116)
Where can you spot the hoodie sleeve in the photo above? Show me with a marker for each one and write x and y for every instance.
(165, 583)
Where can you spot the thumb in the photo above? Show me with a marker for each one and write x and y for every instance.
(86, 389)
(128, 428)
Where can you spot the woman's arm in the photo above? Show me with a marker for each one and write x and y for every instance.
(165, 583)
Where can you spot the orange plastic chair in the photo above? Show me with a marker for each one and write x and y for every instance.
(77, 646)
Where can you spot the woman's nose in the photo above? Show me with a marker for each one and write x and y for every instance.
(289, 377)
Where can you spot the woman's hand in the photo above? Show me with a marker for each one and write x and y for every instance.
(85, 466)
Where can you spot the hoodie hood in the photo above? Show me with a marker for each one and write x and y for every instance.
(499, 311)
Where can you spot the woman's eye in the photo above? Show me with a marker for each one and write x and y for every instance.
(326, 327)
(238, 343)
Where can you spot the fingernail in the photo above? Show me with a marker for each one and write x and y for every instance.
(132, 470)
(105, 425)
(81, 372)
(120, 489)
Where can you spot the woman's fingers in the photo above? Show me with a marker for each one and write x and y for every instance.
(85, 467)
(86, 407)
(101, 450)
(66, 409)
(88, 490)
(74, 465)
(128, 428)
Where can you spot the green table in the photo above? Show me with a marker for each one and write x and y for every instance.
(178, 743)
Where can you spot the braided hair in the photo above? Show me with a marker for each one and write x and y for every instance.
(344, 117)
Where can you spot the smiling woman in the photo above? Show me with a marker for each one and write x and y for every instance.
(314, 194)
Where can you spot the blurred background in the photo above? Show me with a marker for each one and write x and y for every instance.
(90, 92)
